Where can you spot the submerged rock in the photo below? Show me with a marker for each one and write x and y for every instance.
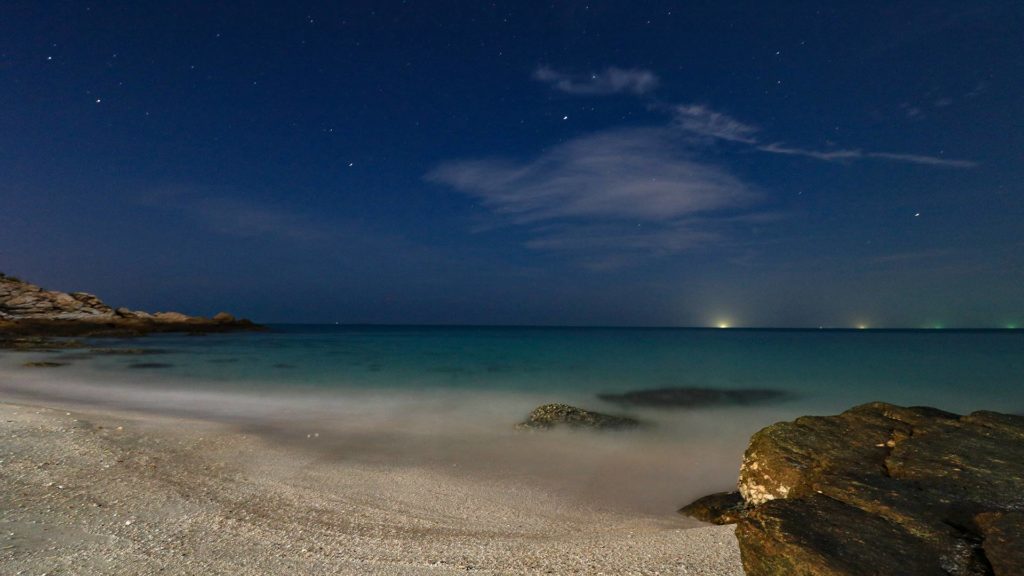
(883, 489)
(693, 397)
(43, 364)
(719, 508)
(553, 415)
(126, 351)
(37, 344)
(150, 365)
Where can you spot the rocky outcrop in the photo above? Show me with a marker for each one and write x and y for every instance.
(691, 397)
(882, 489)
(562, 415)
(28, 309)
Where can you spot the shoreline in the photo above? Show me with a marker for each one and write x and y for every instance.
(104, 491)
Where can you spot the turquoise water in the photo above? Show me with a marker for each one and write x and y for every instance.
(448, 397)
(824, 370)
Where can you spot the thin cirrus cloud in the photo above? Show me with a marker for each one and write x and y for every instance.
(847, 154)
(609, 194)
(612, 81)
(701, 120)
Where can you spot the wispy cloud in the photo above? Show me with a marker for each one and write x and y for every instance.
(635, 191)
(846, 154)
(701, 120)
(612, 81)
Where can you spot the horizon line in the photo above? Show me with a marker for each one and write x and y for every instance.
(1010, 328)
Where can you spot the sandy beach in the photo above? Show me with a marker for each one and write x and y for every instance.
(96, 491)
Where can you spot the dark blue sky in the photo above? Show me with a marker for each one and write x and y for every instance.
(643, 163)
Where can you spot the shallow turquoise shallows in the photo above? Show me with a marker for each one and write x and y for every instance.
(823, 370)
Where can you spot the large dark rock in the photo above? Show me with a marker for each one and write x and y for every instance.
(562, 415)
(690, 397)
(1003, 537)
(882, 489)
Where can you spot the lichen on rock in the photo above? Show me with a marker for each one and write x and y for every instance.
(563, 415)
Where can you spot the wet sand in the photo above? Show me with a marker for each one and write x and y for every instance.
(97, 491)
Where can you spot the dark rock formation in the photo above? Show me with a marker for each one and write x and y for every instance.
(27, 309)
(126, 351)
(882, 489)
(36, 343)
(555, 415)
(44, 364)
(150, 365)
(687, 397)
(718, 508)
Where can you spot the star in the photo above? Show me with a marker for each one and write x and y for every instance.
(916, 214)
(565, 117)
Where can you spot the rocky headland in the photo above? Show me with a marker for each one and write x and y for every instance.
(26, 310)
(880, 489)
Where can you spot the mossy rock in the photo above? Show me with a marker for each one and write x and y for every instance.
(563, 415)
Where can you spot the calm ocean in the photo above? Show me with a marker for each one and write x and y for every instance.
(824, 370)
(450, 395)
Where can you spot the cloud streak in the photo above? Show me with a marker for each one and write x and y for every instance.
(612, 81)
(702, 121)
(848, 154)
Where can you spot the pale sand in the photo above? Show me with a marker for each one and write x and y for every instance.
(93, 492)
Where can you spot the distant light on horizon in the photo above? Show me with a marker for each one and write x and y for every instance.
(723, 325)
(862, 326)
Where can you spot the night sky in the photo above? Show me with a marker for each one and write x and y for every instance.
(629, 163)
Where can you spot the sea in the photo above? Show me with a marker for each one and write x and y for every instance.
(449, 397)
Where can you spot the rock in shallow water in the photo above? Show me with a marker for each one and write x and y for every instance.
(882, 489)
(553, 415)
(44, 364)
(719, 508)
(693, 397)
